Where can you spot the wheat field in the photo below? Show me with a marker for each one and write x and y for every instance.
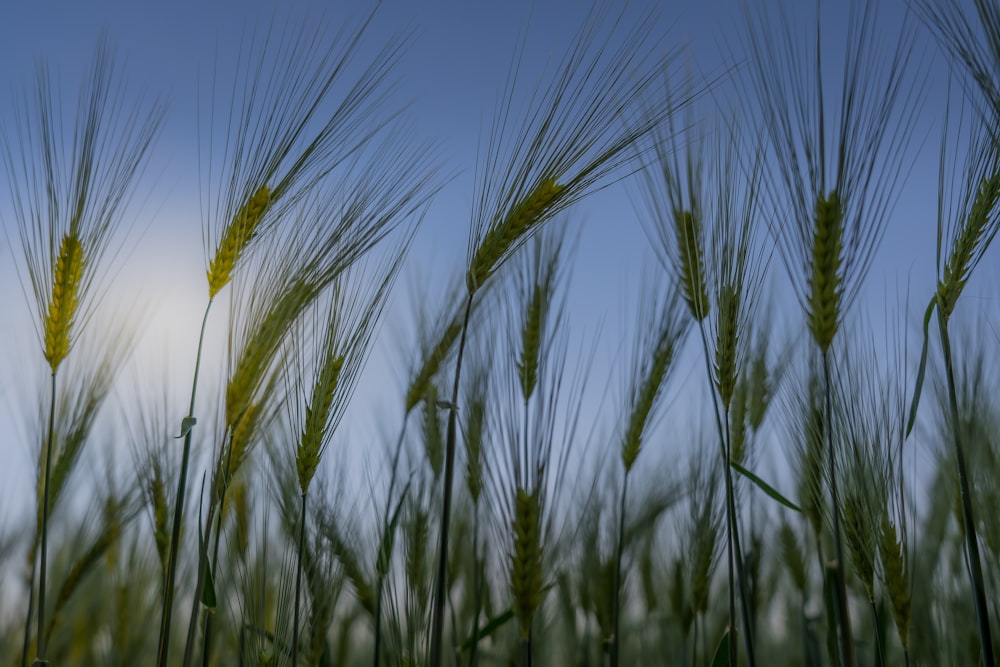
(770, 449)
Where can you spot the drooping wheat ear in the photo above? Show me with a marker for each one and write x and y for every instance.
(505, 235)
(792, 557)
(65, 299)
(725, 349)
(432, 363)
(687, 226)
(526, 559)
(860, 541)
(956, 271)
(894, 571)
(316, 420)
(651, 386)
(531, 342)
(825, 289)
(239, 232)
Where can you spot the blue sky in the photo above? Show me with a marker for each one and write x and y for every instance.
(451, 75)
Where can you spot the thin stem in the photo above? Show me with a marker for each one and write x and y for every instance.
(733, 528)
(616, 601)
(843, 615)
(386, 525)
(31, 603)
(441, 583)
(219, 489)
(40, 641)
(968, 521)
(477, 585)
(880, 652)
(298, 584)
(175, 535)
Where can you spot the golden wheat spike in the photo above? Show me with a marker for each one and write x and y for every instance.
(67, 278)
(502, 237)
(825, 289)
(235, 239)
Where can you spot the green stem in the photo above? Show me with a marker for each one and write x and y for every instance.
(441, 583)
(477, 585)
(880, 652)
(968, 520)
(733, 529)
(220, 487)
(616, 600)
(298, 584)
(40, 647)
(386, 524)
(843, 615)
(168, 585)
(31, 603)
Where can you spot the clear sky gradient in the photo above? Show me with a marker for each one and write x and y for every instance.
(451, 75)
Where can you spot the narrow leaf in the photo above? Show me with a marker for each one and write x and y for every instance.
(920, 371)
(721, 658)
(491, 626)
(186, 425)
(208, 594)
(765, 487)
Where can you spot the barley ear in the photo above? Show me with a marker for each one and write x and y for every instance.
(648, 391)
(317, 416)
(431, 364)
(237, 236)
(161, 518)
(894, 570)
(725, 349)
(825, 289)
(692, 257)
(860, 541)
(960, 262)
(738, 419)
(65, 299)
(504, 236)
(531, 342)
(526, 560)
(793, 558)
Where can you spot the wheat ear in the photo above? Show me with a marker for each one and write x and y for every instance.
(504, 237)
(526, 560)
(65, 299)
(825, 289)
(233, 244)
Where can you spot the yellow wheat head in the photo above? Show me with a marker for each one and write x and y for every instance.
(240, 231)
(65, 300)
